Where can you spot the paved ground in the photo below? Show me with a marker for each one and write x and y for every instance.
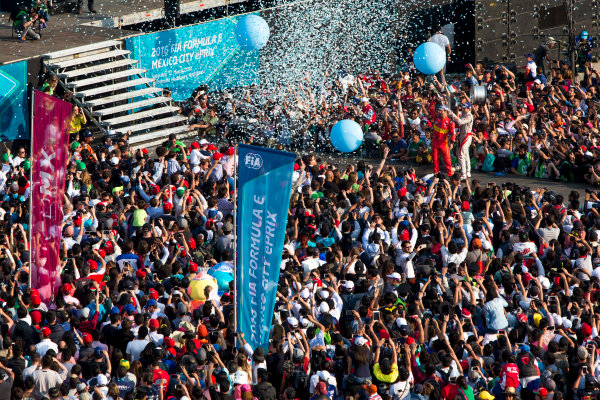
(485, 178)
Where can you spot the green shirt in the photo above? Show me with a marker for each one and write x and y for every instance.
(139, 217)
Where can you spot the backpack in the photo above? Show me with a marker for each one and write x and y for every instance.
(445, 375)
(299, 379)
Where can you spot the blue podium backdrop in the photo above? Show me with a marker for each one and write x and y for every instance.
(182, 59)
(14, 111)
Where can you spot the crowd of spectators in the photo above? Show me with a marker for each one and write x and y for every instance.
(392, 285)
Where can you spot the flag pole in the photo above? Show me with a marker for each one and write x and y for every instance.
(235, 201)
(30, 181)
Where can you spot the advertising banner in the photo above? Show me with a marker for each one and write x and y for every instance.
(264, 189)
(14, 113)
(183, 59)
(49, 156)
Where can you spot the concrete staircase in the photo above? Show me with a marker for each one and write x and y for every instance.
(116, 94)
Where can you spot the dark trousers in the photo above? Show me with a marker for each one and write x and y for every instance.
(90, 4)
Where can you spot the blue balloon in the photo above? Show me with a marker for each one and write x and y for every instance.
(346, 136)
(429, 58)
(223, 273)
(252, 32)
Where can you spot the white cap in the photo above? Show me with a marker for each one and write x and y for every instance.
(304, 322)
(558, 321)
(394, 275)
(102, 380)
(360, 341)
(401, 322)
(324, 294)
(240, 377)
(362, 100)
(305, 293)
(348, 285)
(324, 308)
(545, 282)
(537, 81)
(567, 324)
(292, 321)
(202, 142)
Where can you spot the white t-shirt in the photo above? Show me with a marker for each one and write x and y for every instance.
(441, 40)
(135, 348)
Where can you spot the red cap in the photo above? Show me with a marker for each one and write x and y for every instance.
(102, 253)
(543, 392)
(410, 340)
(77, 221)
(464, 365)
(154, 323)
(383, 334)
(140, 273)
(212, 147)
(209, 223)
(217, 156)
(195, 145)
(155, 189)
(202, 331)
(36, 317)
(191, 243)
(193, 267)
(230, 151)
(169, 342)
(402, 192)
(586, 329)
(167, 206)
(465, 206)
(35, 298)
(172, 351)
(108, 247)
(404, 235)
(522, 317)
(466, 313)
(67, 288)
(45, 331)
(153, 294)
(296, 167)
(145, 151)
(87, 338)
(93, 265)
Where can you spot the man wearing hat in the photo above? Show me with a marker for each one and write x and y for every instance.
(45, 344)
(465, 126)
(443, 130)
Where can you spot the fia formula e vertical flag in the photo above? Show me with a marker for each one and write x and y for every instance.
(264, 189)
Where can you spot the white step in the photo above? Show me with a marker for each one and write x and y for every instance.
(116, 86)
(123, 96)
(143, 114)
(161, 135)
(131, 106)
(97, 68)
(88, 59)
(82, 49)
(106, 77)
(152, 124)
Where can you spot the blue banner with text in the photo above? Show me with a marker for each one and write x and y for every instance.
(184, 58)
(264, 189)
(14, 111)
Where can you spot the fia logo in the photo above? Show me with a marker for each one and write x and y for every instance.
(253, 161)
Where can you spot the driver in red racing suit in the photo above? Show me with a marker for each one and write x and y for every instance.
(443, 129)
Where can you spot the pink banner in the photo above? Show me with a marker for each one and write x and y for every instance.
(49, 157)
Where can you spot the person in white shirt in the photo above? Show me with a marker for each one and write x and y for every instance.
(135, 347)
(441, 40)
(451, 253)
(45, 344)
(524, 246)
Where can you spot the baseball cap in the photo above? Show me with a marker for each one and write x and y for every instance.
(87, 338)
(154, 323)
(394, 275)
(45, 331)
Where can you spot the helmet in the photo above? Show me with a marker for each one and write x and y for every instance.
(584, 34)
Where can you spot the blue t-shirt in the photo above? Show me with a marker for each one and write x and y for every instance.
(494, 314)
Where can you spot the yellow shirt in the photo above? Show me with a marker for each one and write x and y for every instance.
(76, 124)
(389, 378)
